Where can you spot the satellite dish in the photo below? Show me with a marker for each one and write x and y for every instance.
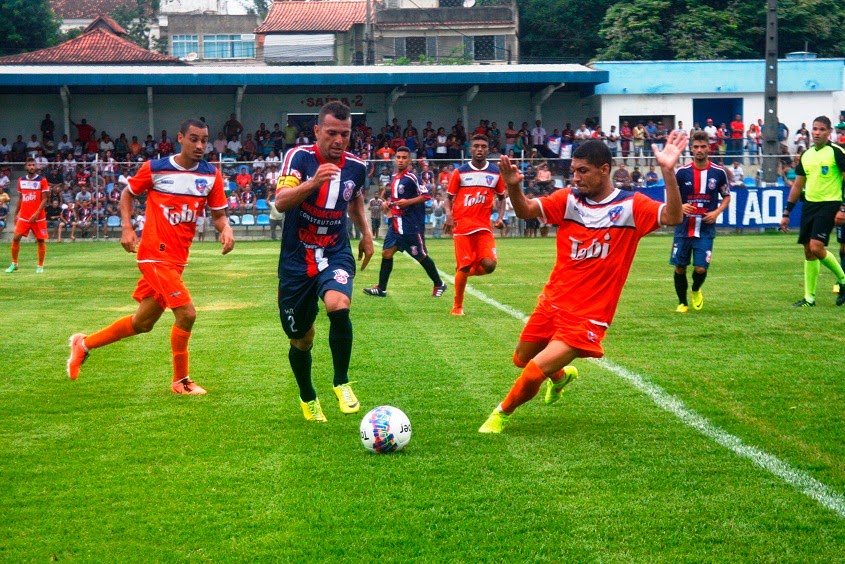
(190, 57)
(469, 3)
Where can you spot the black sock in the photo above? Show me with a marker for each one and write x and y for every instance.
(681, 287)
(384, 273)
(300, 363)
(431, 270)
(698, 280)
(340, 342)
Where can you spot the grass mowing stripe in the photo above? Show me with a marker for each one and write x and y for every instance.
(808, 485)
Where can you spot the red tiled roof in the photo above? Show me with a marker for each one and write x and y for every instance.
(96, 47)
(106, 22)
(314, 15)
(84, 9)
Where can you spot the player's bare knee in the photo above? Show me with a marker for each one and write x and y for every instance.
(519, 361)
(700, 270)
(488, 265)
(680, 270)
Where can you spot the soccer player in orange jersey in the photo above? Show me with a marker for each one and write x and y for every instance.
(177, 187)
(469, 206)
(600, 227)
(29, 214)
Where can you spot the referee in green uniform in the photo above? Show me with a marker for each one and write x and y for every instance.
(819, 181)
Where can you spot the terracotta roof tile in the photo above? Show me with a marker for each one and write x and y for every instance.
(96, 47)
(315, 15)
(108, 22)
(84, 9)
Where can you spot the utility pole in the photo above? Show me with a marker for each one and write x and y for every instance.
(370, 57)
(771, 146)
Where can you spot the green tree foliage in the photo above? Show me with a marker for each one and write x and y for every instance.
(26, 25)
(636, 30)
(136, 20)
(257, 7)
(564, 29)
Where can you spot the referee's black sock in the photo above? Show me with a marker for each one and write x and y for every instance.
(300, 363)
(384, 273)
(431, 270)
(340, 342)
(681, 288)
(698, 280)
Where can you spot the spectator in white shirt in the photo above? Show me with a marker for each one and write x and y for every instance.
(64, 145)
(538, 135)
(737, 175)
(235, 145)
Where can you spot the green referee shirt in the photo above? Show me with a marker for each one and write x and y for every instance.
(823, 170)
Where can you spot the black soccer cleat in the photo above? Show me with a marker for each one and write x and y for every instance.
(804, 303)
(375, 291)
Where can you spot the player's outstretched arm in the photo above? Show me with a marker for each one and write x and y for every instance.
(359, 217)
(673, 213)
(522, 206)
(128, 239)
(221, 224)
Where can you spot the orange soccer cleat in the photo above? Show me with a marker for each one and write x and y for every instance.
(78, 355)
(187, 386)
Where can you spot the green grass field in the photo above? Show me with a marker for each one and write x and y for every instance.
(114, 467)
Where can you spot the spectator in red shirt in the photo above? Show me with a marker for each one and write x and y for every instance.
(737, 133)
(243, 179)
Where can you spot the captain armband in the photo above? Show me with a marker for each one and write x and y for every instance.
(289, 181)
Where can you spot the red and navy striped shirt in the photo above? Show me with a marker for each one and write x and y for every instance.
(700, 187)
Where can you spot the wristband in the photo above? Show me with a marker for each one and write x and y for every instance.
(789, 206)
(842, 208)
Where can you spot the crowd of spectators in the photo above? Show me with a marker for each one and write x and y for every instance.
(86, 175)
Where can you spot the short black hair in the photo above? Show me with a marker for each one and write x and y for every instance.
(594, 152)
(825, 120)
(191, 122)
(403, 149)
(337, 109)
(480, 137)
(701, 136)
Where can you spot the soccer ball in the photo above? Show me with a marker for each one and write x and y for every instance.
(385, 429)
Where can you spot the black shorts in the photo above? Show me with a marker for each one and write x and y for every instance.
(298, 306)
(412, 244)
(840, 233)
(817, 221)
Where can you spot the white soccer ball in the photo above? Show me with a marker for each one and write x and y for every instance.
(385, 429)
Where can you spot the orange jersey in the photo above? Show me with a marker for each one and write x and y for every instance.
(596, 243)
(176, 198)
(33, 191)
(473, 192)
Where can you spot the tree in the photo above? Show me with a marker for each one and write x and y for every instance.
(137, 20)
(26, 25)
(257, 7)
(638, 30)
(562, 29)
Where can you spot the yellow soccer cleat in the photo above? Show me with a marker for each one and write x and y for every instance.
(697, 300)
(555, 389)
(312, 411)
(682, 308)
(346, 399)
(495, 423)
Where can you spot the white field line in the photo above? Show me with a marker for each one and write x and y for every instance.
(808, 485)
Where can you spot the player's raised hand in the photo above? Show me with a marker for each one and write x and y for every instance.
(672, 150)
(510, 172)
(365, 251)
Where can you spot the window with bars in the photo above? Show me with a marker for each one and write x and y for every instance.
(415, 47)
(451, 3)
(185, 44)
(227, 47)
(485, 48)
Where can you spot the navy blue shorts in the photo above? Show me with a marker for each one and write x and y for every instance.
(413, 245)
(699, 249)
(298, 306)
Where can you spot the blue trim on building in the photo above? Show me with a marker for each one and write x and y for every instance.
(718, 77)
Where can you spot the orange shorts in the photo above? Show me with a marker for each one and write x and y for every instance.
(470, 249)
(162, 281)
(38, 228)
(549, 323)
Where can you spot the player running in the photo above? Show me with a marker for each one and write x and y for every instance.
(469, 206)
(177, 188)
(406, 231)
(318, 183)
(600, 227)
(34, 191)
(701, 182)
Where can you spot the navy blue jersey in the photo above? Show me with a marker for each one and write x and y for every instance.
(409, 220)
(701, 188)
(314, 234)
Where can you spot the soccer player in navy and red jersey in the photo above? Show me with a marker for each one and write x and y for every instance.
(406, 231)
(469, 206)
(177, 187)
(701, 183)
(34, 191)
(317, 185)
(599, 229)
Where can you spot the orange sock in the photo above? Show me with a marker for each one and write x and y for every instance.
(525, 387)
(179, 343)
(460, 287)
(16, 248)
(42, 252)
(118, 330)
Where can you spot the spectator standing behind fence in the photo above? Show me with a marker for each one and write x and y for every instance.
(376, 205)
(638, 136)
(232, 128)
(84, 130)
